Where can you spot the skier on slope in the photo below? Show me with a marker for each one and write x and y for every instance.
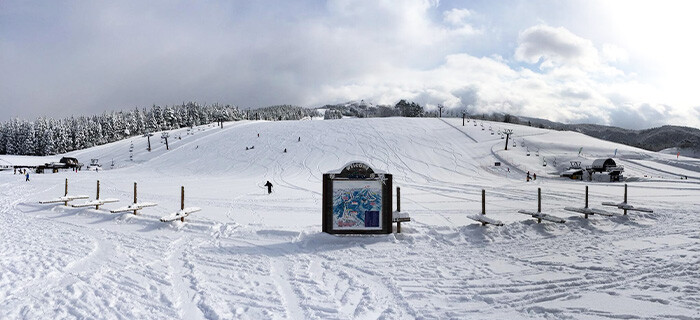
(269, 187)
(27, 175)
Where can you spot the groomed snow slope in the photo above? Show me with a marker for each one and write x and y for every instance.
(251, 255)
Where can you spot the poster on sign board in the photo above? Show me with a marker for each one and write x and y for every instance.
(357, 205)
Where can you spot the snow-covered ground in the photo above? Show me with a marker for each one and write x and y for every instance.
(251, 255)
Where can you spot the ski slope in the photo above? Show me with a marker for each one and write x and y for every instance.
(251, 255)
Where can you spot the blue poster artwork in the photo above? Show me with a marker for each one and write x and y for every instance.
(357, 205)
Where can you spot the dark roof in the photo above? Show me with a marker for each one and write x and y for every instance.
(603, 163)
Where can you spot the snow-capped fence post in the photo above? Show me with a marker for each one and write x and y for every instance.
(135, 198)
(398, 199)
(539, 204)
(65, 194)
(398, 208)
(97, 197)
(624, 212)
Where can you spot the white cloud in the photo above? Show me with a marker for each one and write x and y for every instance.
(553, 47)
(456, 16)
(613, 53)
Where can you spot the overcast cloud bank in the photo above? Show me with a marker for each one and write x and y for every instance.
(84, 58)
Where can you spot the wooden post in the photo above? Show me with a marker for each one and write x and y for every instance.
(483, 201)
(539, 203)
(148, 135)
(462, 119)
(97, 206)
(135, 198)
(586, 214)
(483, 204)
(625, 210)
(65, 194)
(182, 201)
(398, 208)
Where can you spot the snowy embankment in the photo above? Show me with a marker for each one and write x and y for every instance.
(251, 255)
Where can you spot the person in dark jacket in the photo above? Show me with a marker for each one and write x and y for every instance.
(27, 175)
(269, 187)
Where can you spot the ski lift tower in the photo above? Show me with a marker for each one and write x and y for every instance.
(165, 136)
(148, 135)
(508, 132)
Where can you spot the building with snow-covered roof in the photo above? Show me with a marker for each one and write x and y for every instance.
(605, 170)
(602, 170)
(603, 165)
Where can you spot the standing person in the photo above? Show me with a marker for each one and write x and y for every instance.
(285, 150)
(269, 187)
(299, 139)
(534, 176)
(27, 175)
(528, 177)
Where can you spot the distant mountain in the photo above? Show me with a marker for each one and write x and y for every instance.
(683, 139)
(669, 139)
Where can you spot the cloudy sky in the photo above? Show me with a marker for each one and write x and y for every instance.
(628, 63)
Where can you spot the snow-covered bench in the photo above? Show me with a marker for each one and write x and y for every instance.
(183, 212)
(135, 207)
(482, 217)
(97, 203)
(589, 211)
(538, 214)
(626, 207)
(542, 216)
(485, 220)
(64, 199)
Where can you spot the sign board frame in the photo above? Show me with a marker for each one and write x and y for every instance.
(353, 176)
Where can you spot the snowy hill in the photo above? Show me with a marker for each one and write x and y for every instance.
(251, 255)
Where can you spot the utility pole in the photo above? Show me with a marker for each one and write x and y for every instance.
(508, 132)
